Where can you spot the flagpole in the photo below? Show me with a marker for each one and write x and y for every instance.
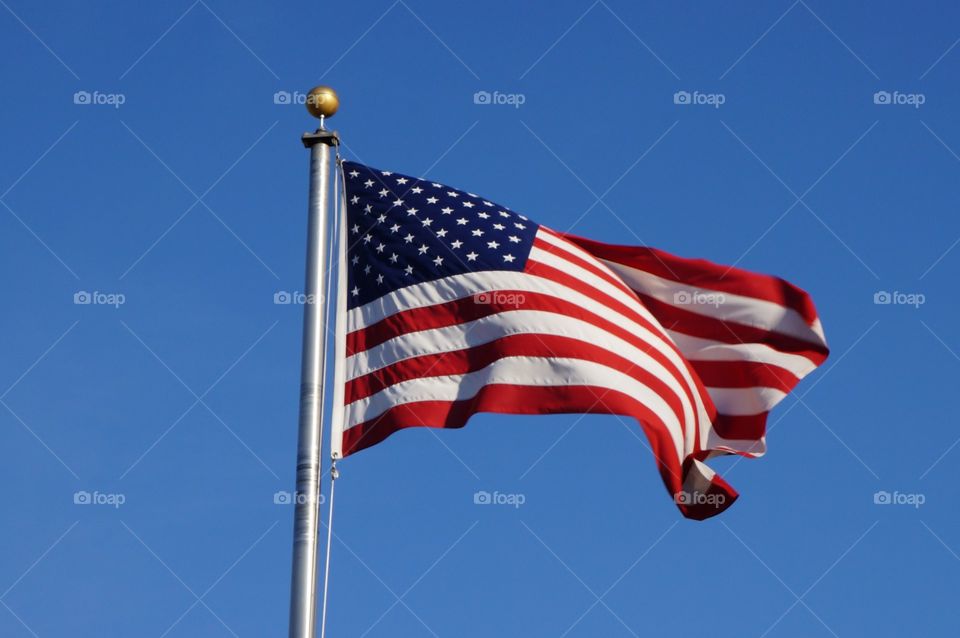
(322, 102)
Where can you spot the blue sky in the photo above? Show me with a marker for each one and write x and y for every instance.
(820, 143)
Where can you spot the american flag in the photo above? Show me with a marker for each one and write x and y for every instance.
(457, 305)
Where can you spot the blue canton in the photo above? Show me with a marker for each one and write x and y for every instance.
(403, 231)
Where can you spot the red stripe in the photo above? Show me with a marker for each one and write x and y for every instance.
(751, 427)
(703, 274)
(744, 374)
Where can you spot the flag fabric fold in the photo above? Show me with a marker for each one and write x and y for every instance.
(454, 305)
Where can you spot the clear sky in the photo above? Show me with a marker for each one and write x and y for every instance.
(176, 190)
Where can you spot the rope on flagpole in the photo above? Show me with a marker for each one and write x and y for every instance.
(334, 475)
(339, 190)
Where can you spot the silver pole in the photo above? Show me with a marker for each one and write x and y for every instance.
(306, 513)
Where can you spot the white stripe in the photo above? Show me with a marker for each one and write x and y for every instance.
(697, 349)
(725, 306)
(745, 401)
(514, 322)
(526, 371)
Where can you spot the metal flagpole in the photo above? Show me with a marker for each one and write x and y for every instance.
(322, 102)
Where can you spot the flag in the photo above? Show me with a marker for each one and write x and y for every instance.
(452, 304)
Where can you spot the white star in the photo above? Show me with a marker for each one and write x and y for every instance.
(354, 199)
(499, 226)
(493, 244)
(519, 225)
(468, 204)
(462, 221)
(381, 219)
(395, 228)
(393, 258)
(380, 247)
(386, 173)
(384, 192)
(477, 232)
(438, 261)
(366, 269)
(355, 260)
(355, 229)
(504, 213)
(432, 200)
(416, 189)
(368, 183)
(398, 202)
(514, 239)
(442, 232)
(508, 258)
(446, 211)
(408, 238)
(412, 211)
(402, 180)
(426, 222)
(355, 291)
(380, 279)
(367, 238)
(457, 244)
(408, 270)
(423, 249)
(471, 256)
(485, 203)
(368, 208)
(354, 173)
(453, 194)
(483, 215)
(436, 185)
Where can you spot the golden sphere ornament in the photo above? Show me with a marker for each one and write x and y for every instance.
(322, 102)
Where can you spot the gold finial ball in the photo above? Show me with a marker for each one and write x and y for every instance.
(322, 101)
